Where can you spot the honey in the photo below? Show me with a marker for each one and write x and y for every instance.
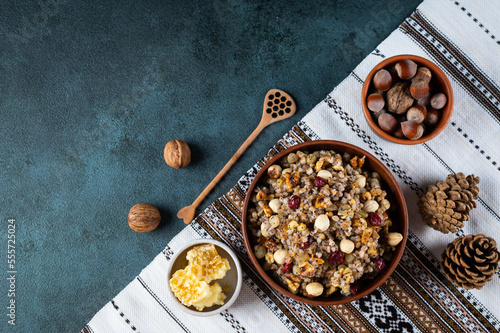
(191, 285)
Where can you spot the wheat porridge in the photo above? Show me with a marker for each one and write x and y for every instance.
(320, 223)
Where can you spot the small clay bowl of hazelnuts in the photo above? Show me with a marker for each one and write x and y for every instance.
(407, 99)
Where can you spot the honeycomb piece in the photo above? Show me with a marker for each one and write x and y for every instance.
(206, 263)
(217, 298)
(188, 288)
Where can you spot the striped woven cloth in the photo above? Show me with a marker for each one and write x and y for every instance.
(462, 38)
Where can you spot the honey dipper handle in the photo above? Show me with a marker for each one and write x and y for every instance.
(229, 164)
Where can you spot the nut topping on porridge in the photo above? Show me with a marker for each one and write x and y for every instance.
(320, 223)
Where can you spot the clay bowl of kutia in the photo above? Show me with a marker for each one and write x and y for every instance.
(304, 258)
(407, 99)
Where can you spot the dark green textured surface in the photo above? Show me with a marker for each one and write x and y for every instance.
(90, 93)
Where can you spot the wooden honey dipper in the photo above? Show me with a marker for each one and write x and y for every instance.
(278, 105)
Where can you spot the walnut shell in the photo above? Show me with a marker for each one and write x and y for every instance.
(399, 98)
(177, 154)
(143, 217)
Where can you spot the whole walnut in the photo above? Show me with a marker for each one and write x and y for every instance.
(399, 98)
(143, 217)
(177, 154)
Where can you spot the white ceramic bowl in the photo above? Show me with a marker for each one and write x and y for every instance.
(233, 276)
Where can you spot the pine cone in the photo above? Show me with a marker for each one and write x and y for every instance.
(470, 261)
(447, 204)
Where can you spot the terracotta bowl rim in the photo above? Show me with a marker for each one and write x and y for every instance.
(390, 183)
(446, 112)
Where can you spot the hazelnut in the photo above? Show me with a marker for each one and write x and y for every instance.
(375, 102)
(274, 171)
(420, 132)
(425, 101)
(387, 122)
(292, 158)
(370, 206)
(322, 222)
(399, 132)
(377, 114)
(419, 89)
(260, 251)
(394, 238)
(432, 117)
(346, 246)
(280, 256)
(406, 69)
(412, 130)
(360, 180)
(275, 205)
(314, 289)
(416, 113)
(409, 128)
(143, 217)
(399, 98)
(382, 80)
(177, 154)
(423, 73)
(325, 174)
(438, 101)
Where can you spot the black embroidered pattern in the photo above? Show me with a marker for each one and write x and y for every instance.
(486, 30)
(234, 323)
(356, 76)
(376, 52)
(311, 135)
(383, 314)
(167, 252)
(471, 141)
(143, 283)
(123, 316)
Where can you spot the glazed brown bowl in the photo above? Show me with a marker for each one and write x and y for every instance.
(440, 83)
(399, 217)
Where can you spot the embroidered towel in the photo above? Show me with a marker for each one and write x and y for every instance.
(462, 38)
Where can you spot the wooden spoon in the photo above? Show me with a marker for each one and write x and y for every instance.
(278, 105)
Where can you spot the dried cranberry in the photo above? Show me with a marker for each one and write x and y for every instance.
(355, 288)
(375, 220)
(287, 268)
(294, 202)
(336, 258)
(305, 245)
(380, 264)
(319, 182)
